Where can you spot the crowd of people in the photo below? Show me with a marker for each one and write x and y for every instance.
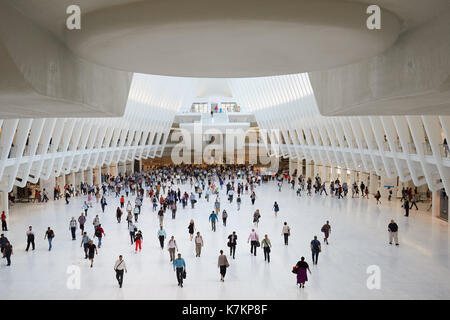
(161, 186)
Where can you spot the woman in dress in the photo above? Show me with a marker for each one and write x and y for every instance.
(191, 229)
(302, 276)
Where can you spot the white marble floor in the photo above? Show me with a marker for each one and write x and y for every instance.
(417, 269)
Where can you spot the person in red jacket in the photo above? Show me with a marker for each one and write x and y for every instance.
(122, 202)
(4, 226)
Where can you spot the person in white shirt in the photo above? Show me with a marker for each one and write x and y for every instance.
(172, 245)
(198, 244)
(119, 267)
(286, 232)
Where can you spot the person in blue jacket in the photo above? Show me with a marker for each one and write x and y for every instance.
(213, 218)
(179, 266)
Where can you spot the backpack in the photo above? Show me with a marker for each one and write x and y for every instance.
(98, 232)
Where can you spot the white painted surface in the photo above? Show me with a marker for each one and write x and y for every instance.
(417, 269)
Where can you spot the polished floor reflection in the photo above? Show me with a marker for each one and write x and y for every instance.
(417, 269)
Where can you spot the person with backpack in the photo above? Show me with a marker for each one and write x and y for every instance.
(326, 229)
(49, 234)
(99, 233)
(85, 243)
(30, 238)
(286, 232)
(73, 227)
(119, 268)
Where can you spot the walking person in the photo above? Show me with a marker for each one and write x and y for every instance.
(276, 208)
(82, 221)
(49, 235)
(103, 203)
(99, 233)
(172, 245)
(132, 229)
(191, 229)
(406, 207)
(92, 251)
(224, 217)
(238, 201)
(326, 229)
(119, 268)
(119, 214)
(232, 242)
(301, 267)
(4, 224)
(413, 202)
(198, 244)
(266, 245)
(7, 252)
(256, 217)
(213, 218)
(161, 236)
(73, 227)
(315, 249)
(286, 232)
(96, 222)
(161, 216)
(138, 240)
(85, 243)
(217, 205)
(136, 212)
(253, 238)
(3, 241)
(393, 232)
(30, 238)
(179, 266)
(223, 264)
(378, 196)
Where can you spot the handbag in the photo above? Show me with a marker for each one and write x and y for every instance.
(184, 274)
(258, 244)
(228, 244)
(295, 270)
